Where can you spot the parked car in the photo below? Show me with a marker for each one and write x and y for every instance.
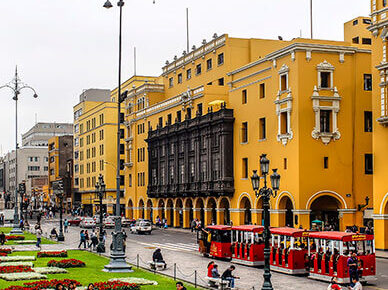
(87, 223)
(75, 221)
(109, 222)
(142, 226)
(127, 223)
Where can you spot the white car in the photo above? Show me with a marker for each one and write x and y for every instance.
(109, 222)
(141, 226)
(87, 223)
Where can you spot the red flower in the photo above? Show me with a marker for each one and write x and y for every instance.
(52, 254)
(67, 263)
(44, 284)
(5, 250)
(15, 269)
(14, 238)
(116, 285)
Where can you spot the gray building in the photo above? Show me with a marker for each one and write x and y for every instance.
(40, 133)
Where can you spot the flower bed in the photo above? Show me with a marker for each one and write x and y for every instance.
(15, 269)
(25, 242)
(3, 254)
(116, 285)
(46, 254)
(6, 250)
(17, 258)
(134, 280)
(50, 270)
(44, 284)
(30, 264)
(67, 263)
(14, 238)
(22, 276)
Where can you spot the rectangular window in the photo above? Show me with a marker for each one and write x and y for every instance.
(121, 148)
(130, 180)
(326, 162)
(198, 69)
(325, 117)
(199, 109)
(169, 119)
(355, 22)
(244, 96)
(244, 173)
(192, 171)
(355, 39)
(367, 41)
(220, 59)
(368, 163)
(188, 114)
(285, 163)
(121, 164)
(283, 82)
(244, 132)
(367, 82)
(160, 121)
(366, 21)
(121, 118)
(283, 123)
(325, 79)
(188, 74)
(179, 116)
(203, 171)
(209, 64)
(262, 129)
(121, 133)
(262, 91)
(221, 81)
(121, 179)
(368, 123)
(171, 82)
(179, 78)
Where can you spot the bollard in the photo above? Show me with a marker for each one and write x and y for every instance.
(174, 271)
(195, 278)
(137, 261)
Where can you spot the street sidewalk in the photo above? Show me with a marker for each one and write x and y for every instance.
(381, 254)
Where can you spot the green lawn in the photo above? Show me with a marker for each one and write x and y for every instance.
(93, 271)
(27, 236)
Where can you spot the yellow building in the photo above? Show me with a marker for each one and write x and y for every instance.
(306, 103)
(60, 164)
(95, 135)
(378, 28)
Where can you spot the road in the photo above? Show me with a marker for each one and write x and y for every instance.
(179, 246)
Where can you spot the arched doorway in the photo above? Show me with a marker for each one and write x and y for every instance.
(150, 213)
(179, 213)
(199, 205)
(161, 212)
(287, 218)
(259, 209)
(130, 209)
(225, 214)
(325, 209)
(246, 216)
(170, 212)
(212, 217)
(141, 209)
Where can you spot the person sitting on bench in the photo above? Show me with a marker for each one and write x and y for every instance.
(158, 258)
(215, 273)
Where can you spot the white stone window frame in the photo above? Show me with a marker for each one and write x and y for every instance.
(325, 66)
(284, 71)
(284, 138)
(335, 107)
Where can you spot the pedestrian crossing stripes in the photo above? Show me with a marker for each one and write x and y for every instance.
(191, 247)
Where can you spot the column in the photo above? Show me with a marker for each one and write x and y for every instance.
(147, 213)
(186, 217)
(278, 217)
(381, 231)
(208, 216)
(176, 217)
(257, 216)
(196, 213)
(220, 216)
(235, 216)
(168, 216)
(302, 217)
(346, 217)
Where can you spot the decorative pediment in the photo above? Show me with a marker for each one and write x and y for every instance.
(325, 66)
(283, 69)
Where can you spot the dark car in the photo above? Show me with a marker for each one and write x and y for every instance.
(75, 221)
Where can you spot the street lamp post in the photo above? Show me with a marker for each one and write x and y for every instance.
(266, 193)
(59, 192)
(16, 86)
(100, 192)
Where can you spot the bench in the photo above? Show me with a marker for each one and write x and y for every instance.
(157, 265)
(217, 282)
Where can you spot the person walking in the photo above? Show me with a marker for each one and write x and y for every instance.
(82, 239)
(38, 234)
(66, 225)
(87, 238)
(228, 276)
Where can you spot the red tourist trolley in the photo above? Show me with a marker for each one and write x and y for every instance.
(330, 251)
(215, 241)
(248, 245)
(289, 251)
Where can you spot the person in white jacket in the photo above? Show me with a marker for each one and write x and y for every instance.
(357, 285)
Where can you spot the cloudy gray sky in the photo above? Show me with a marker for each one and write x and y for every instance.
(64, 46)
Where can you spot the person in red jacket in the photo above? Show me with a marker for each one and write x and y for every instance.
(210, 267)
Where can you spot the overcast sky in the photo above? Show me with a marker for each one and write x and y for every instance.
(62, 47)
